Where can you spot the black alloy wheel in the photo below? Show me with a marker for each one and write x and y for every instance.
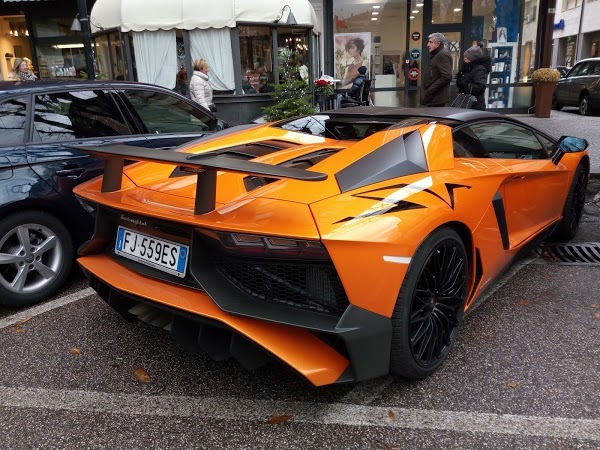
(430, 307)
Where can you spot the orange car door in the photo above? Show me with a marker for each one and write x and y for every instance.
(535, 189)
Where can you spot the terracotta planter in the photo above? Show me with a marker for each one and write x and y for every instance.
(543, 98)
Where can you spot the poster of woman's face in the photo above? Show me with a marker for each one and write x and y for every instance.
(502, 34)
(352, 50)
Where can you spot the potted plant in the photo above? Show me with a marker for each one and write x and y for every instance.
(544, 83)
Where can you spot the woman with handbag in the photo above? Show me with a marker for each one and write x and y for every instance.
(200, 89)
(472, 78)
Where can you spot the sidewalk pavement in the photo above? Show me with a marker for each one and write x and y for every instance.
(570, 122)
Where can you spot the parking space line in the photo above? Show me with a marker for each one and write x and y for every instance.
(211, 408)
(45, 307)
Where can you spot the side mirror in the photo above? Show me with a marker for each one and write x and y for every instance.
(568, 144)
(572, 144)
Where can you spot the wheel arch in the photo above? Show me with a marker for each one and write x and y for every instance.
(465, 234)
(585, 160)
(466, 237)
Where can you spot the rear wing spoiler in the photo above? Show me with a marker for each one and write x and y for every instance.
(205, 166)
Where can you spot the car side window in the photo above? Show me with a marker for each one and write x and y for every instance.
(586, 69)
(467, 145)
(505, 140)
(575, 71)
(160, 113)
(75, 115)
(548, 144)
(12, 121)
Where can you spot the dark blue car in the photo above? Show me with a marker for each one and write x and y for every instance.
(41, 222)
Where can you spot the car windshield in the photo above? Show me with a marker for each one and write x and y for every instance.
(343, 128)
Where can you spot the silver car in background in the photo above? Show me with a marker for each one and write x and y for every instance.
(580, 87)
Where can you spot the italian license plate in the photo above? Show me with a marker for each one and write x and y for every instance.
(168, 256)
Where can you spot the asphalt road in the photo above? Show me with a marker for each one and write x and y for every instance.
(525, 374)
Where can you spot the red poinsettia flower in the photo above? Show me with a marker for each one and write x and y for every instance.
(323, 87)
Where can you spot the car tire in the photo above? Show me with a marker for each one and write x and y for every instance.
(430, 307)
(573, 209)
(36, 257)
(584, 105)
(555, 105)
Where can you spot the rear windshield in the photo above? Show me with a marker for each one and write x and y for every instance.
(346, 128)
(334, 128)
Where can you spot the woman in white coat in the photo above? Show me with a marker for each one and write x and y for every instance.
(200, 89)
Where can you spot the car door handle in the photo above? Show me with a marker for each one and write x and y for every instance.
(70, 173)
(519, 177)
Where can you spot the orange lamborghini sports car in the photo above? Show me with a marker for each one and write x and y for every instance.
(346, 244)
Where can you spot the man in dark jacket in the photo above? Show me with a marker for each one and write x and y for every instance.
(437, 76)
(472, 79)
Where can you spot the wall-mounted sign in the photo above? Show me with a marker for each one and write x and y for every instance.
(416, 35)
(415, 54)
(414, 73)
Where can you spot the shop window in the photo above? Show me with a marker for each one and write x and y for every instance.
(292, 54)
(117, 53)
(12, 121)
(77, 115)
(109, 57)
(447, 11)
(61, 60)
(102, 57)
(44, 26)
(256, 52)
(499, 27)
(374, 35)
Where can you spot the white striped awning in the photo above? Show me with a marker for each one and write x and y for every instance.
(140, 15)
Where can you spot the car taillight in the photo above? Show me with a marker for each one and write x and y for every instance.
(272, 246)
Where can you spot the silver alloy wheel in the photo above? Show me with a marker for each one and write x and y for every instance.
(31, 257)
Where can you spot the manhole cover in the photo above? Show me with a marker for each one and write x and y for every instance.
(571, 253)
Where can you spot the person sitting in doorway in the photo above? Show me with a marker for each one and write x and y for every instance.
(357, 83)
(354, 95)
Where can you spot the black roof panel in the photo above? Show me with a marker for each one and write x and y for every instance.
(389, 112)
(18, 87)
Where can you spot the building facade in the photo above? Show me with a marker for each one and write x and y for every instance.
(388, 36)
(393, 36)
(576, 31)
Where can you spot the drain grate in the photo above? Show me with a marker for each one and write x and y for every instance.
(571, 253)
